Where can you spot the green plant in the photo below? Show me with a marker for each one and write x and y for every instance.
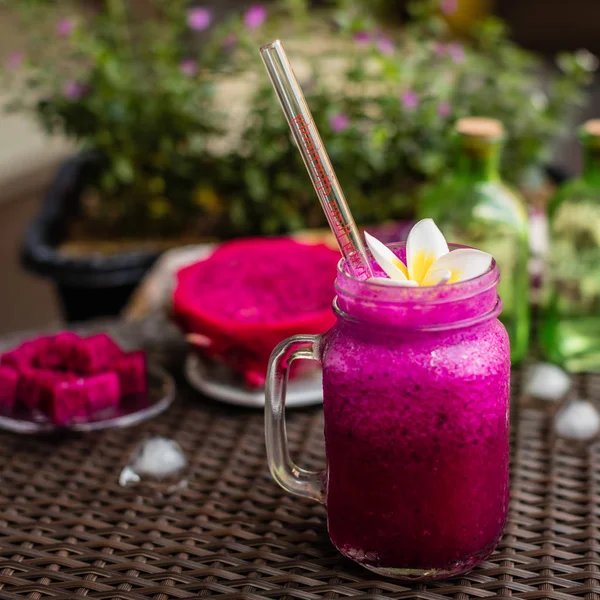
(134, 96)
(384, 101)
(386, 116)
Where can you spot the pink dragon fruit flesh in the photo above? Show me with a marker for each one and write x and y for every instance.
(131, 371)
(9, 380)
(251, 294)
(62, 402)
(68, 401)
(24, 355)
(95, 354)
(103, 392)
(32, 383)
(58, 351)
(70, 378)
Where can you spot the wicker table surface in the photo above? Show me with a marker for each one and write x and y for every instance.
(67, 529)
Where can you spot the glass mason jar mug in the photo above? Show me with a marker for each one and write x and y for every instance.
(416, 403)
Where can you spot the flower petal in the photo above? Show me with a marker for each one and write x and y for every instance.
(425, 244)
(386, 259)
(465, 263)
(393, 282)
(437, 277)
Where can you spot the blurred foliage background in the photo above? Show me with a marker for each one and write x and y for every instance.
(186, 137)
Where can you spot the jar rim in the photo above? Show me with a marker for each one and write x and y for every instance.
(440, 294)
(430, 328)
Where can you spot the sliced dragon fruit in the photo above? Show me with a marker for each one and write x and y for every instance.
(67, 401)
(95, 354)
(33, 382)
(130, 368)
(58, 351)
(9, 380)
(251, 294)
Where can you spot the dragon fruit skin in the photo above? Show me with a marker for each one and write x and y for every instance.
(131, 371)
(9, 381)
(58, 351)
(94, 354)
(68, 401)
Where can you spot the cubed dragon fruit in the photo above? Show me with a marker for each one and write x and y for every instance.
(95, 354)
(58, 351)
(33, 382)
(68, 401)
(24, 355)
(131, 371)
(103, 392)
(63, 402)
(9, 380)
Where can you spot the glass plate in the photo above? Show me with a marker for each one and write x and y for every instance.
(132, 410)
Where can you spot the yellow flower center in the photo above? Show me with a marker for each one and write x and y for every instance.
(421, 263)
(400, 265)
(456, 275)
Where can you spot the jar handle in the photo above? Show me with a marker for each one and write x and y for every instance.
(285, 472)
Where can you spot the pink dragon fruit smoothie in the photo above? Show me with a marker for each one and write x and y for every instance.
(416, 401)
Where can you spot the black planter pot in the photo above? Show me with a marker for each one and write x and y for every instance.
(91, 286)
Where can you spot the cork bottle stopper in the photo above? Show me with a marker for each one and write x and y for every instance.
(481, 127)
(592, 127)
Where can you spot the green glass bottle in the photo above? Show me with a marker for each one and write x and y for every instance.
(473, 206)
(570, 329)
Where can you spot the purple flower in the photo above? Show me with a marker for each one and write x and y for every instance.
(230, 41)
(199, 18)
(362, 38)
(448, 7)
(189, 67)
(65, 27)
(74, 90)
(456, 52)
(385, 45)
(15, 59)
(439, 49)
(255, 16)
(339, 122)
(410, 100)
(444, 109)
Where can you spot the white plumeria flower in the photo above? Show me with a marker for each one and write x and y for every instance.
(429, 260)
(392, 266)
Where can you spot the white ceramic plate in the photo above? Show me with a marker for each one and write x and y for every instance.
(219, 383)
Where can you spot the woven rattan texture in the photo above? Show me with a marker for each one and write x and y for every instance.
(68, 530)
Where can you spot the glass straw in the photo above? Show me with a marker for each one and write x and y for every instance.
(315, 158)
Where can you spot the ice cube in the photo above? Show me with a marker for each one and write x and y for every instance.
(157, 457)
(127, 476)
(578, 420)
(547, 382)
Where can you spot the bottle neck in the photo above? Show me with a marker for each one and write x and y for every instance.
(591, 161)
(479, 160)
